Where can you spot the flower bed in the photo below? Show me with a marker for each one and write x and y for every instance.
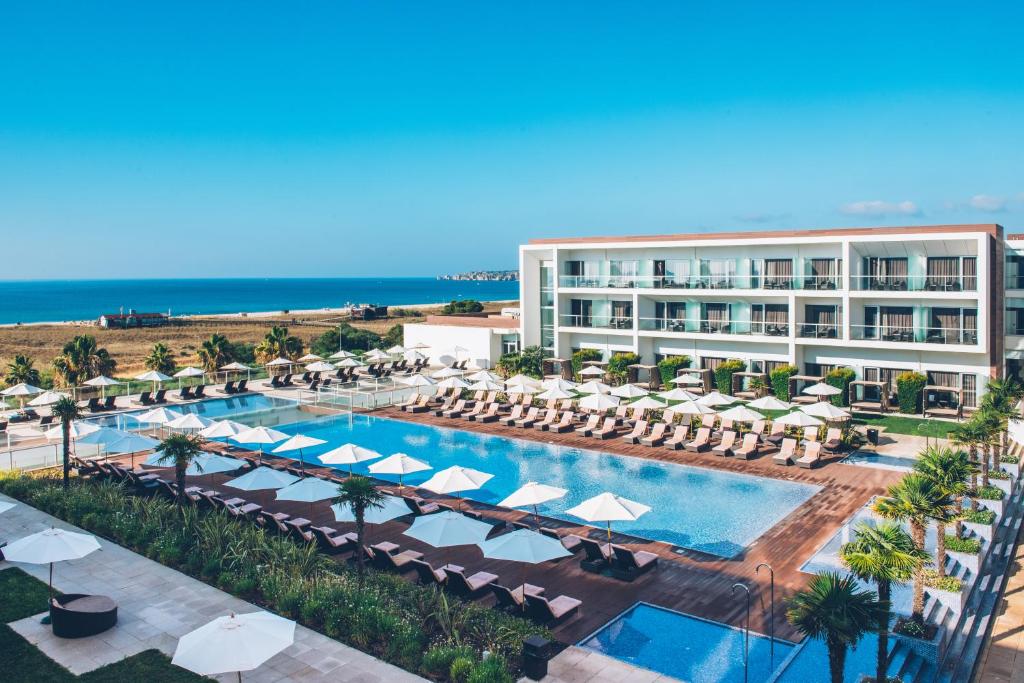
(948, 590)
(981, 522)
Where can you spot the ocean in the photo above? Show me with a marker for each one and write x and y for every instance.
(63, 300)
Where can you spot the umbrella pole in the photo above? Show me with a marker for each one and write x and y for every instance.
(609, 535)
(536, 516)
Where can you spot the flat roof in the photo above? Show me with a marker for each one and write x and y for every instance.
(493, 321)
(993, 229)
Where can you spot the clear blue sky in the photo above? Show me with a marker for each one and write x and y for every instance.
(371, 138)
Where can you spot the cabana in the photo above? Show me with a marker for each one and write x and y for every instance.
(940, 401)
(795, 395)
(553, 368)
(706, 376)
(741, 383)
(636, 373)
(860, 396)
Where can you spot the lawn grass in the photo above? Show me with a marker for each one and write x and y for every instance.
(914, 426)
(21, 662)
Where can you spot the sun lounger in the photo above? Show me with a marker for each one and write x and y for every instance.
(145, 398)
(545, 611)
(185, 394)
(228, 388)
(592, 422)
(811, 434)
(786, 453)
(200, 391)
(549, 419)
(607, 430)
(491, 415)
(833, 440)
(679, 438)
(639, 429)
(708, 420)
(776, 435)
(627, 564)
(811, 457)
(399, 562)
(527, 422)
(428, 576)
(620, 414)
(419, 506)
(93, 406)
(331, 542)
(422, 405)
(471, 587)
(656, 437)
(508, 598)
(517, 413)
(570, 542)
(478, 408)
(749, 448)
(701, 442)
(757, 429)
(724, 447)
(563, 425)
(598, 556)
(668, 416)
(456, 410)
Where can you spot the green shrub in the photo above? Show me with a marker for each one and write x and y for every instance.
(979, 516)
(490, 670)
(437, 661)
(618, 363)
(460, 669)
(725, 371)
(464, 306)
(1010, 459)
(779, 378)
(998, 474)
(582, 356)
(529, 361)
(971, 546)
(908, 391)
(909, 627)
(942, 583)
(840, 378)
(669, 367)
(989, 492)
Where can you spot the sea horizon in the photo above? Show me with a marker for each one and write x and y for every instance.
(57, 301)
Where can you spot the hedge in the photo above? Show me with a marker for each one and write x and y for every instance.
(669, 367)
(840, 378)
(724, 373)
(582, 356)
(779, 378)
(619, 362)
(908, 391)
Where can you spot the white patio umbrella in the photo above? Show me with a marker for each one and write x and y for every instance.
(448, 528)
(20, 391)
(417, 381)
(189, 421)
(769, 403)
(262, 478)
(157, 416)
(629, 391)
(533, 494)
(47, 398)
(526, 547)
(400, 464)
(522, 380)
(309, 358)
(608, 507)
(591, 371)
(413, 356)
(593, 387)
(397, 349)
(102, 381)
(798, 419)
(279, 362)
(390, 508)
(212, 463)
(237, 642)
(483, 375)
(825, 410)
(446, 373)
(647, 403)
(376, 355)
(297, 443)
(222, 429)
(338, 355)
(321, 366)
(452, 383)
(559, 383)
(716, 398)
(349, 363)
(486, 385)
(512, 389)
(821, 390)
(741, 414)
(152, 376)
(599, 402)
(308, 490)
(677, 394)
(78, 429)
(419, 346)
(349, 454)
(456, 479)
(692, 408)
(259, 435)
(49, 546)
(554, 393)
(189, 372)
(688, 380)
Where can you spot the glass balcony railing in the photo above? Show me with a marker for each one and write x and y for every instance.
(603, 322)
(806, 282)
(914, 335)
(819, 330)
(914, 283)
(742, 327)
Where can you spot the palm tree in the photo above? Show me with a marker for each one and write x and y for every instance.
(885, 555)
(180, 450)
(361, 495)
(949, 470)
(970, 435)
(214, 352)
(1000, 399)
(21, 369)
(988, 423)
(916, 500)
(81, 359)
(160, 359)
(65, 410)
(278, 344)
(832, 609)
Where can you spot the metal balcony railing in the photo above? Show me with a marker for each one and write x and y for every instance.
(596, 321)
(914, 334)
(701, 282)
(739, 327)
(914, 283)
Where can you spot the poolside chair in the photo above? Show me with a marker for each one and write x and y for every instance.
(724, 447)
(399, 562)
(749, 448)
(527, 421)
(639, 415)
(478, 408)
(185, 394)
(275, 382)
(517, 412)
(566, 404)
(229, 388)
(701, 442)
(776, 435)
(656, 437)
(786, 453)
(833, 440)
(592, 422)
(811, 457)
(160, 396)
(199, 392)
(549, 419)
(679, 437)
(639, 429)
(668, 416)
(570, 542)
(447, 405)
(108, 403)
(545, 611)
(410, 401)
(811, 434)
(471, 587)
(597, 558)
(563, 425)
(757, 429)
(287, 381)
(92, 406)
(145, 399)
(422, 405)
(420, 507)
(627, 564)
(478, 396)
(607, 430)
(620, 414)
(428, 576)
(490, 415)
(508, 598)
(708, 420)
(456, 410)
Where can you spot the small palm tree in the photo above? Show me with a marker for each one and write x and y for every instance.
(21, 369)
(885, 555)
(970, 436)
(65, 410)
(278, 344)
(180, 450)
(214, 352)
(989, 424)
(361, 495)
(80, 359)
(949, 470)
(916, 500)
(1000, 400)
(160, 359)
(832, 609)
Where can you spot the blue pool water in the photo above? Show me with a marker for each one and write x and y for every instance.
(687, 648)
(714, 512)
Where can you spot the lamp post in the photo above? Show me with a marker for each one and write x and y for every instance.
(771, 608)
(746, 633)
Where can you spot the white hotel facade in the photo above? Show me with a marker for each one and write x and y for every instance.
(946, 301)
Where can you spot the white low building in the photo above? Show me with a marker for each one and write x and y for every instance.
(480, 339)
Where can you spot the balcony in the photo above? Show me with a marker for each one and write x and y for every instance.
(731, 327)
(601, 322)
(703, 282)
(818, 331)
(914, 335)
(914, 283)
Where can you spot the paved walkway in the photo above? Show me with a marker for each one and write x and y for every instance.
(157, 605)
(1003, 657)
(577, 665)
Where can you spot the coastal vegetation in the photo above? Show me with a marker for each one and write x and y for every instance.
(277, 343)
(160, 359)
(21, 369)
(80, 359)
(457, 307)
(529, 362)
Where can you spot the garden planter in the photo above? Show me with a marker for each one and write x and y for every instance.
(970, 561)
(949, 599)
(985, 531)
(996, 506)
(1006, 485)
(931, 650)
(1011, 468)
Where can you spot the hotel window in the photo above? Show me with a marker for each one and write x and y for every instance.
(823, 273)
(622, 315)
(622, 273)
(717, 273)
(711, 363)
(674, 273)
(820, 320)
(889, 273)
(942, 274)
(818, 369)
(581, 313)
(582, 273)
(715, 318)
(965, 381)
(772, 365)
(547, 309)
(889, 323)
(509, 343)
(670, 315)
(778, 273)
(953, 326)
(1014, 271)
(771, 319)
(970, 267)
(1015, 317)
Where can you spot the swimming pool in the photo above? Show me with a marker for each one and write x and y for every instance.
(702, 509)
(686, 647)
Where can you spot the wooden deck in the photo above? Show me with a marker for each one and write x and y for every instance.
(685, 580)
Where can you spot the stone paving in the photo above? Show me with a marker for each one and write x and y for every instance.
(1003, 657)
(157, 605)
(577, 665)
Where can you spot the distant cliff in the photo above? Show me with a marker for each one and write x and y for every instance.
(483, 275)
